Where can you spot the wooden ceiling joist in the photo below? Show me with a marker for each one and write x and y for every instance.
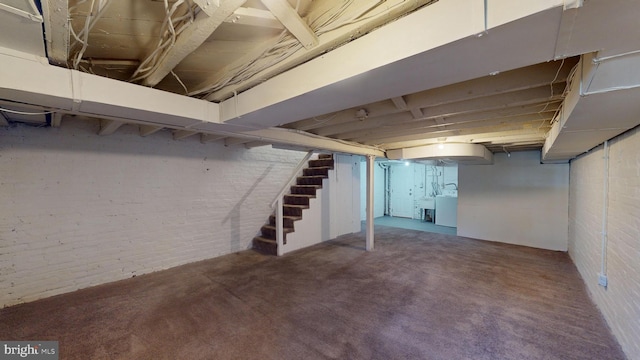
(444, 116)
(327, 41)
(534, 76)
(190, 39)
(108, 127)
(380, 134)
(514, 135)
(56, 17)
(288, 16)
(146, 130)
(254, 17)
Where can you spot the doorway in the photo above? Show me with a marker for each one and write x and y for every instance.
(402, 188)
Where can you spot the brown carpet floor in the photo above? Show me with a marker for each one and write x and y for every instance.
(417, 296)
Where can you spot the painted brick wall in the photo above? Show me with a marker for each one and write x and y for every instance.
(620, 301)
(79, 209)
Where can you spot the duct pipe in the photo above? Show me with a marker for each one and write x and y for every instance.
(602, 277)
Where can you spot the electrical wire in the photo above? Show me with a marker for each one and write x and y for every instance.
(25, 112)
(180, 81)
(171, 27)
(328, 20)
(82, 38)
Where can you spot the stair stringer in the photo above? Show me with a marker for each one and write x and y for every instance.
(314, 227)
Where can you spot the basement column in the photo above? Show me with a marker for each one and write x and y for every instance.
(370, 162)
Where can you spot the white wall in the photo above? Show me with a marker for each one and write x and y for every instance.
(336, 209)
(517, 200)
(80, 209)
(620, 301)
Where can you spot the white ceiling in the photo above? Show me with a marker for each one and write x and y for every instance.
(360, 76)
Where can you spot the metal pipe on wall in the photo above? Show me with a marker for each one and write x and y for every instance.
(602, 277)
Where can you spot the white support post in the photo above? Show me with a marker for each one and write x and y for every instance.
(279, 227)
(369, 234)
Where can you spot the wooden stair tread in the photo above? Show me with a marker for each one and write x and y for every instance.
(271, 227)
(294, 218)
(263, 239)
(298, 193)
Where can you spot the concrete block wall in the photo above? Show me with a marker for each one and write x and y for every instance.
(619, 302)
(78, 209)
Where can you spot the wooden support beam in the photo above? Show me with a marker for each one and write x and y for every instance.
(183, 134)
(108, 127)
(56, 119)
(56, 30)
(254, 17)
(208, 6)
(417, 113)
(146, 130)
(399, 103)
(191, 38)
(288, 16)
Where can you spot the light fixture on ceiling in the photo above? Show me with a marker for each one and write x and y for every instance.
(505, 150)
(441, 142)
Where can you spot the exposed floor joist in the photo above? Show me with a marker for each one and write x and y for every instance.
(190, 39)
(56, 17)
(146, 130)
(510, 81)
(486, 138)
(254, 17)
(108, 127)
(288, 16)
(328, 40)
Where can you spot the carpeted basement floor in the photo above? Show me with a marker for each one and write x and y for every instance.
(417, 296)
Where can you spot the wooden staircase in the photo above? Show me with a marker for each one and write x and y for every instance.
(294, 203)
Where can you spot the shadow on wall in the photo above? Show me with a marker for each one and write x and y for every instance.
(233, 217)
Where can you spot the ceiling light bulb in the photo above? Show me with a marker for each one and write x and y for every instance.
(440, 146)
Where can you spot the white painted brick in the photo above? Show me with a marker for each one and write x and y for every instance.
(80, 210)
(620, 301)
